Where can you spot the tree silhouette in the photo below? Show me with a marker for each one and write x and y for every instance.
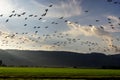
(0, 62)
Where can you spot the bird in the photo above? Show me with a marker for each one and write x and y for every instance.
(13, 11)
(113, 27)
(11, 15)
(38, 27)
(109, 0)
(26, 18)
(35, 15)
(7, 20)
(97, 20)
(35, 27)
(61, 17)
(46, 27)
(18, 15)
(66, 20)
(25, 24)
(115, 2)
(56, 23)
(31, 15)
(86, 11)
(90, 25)
(109, 19)
(1, 15)
(46, 10)
(36, 32)
(40, 18)
(109, 22)
(119, 18)
(23, 13)
(53, 23)
(102, 27)
(14, 14)
(50, 5)
(43, 14)
(119, 24)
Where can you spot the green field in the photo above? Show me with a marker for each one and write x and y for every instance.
(58, 73)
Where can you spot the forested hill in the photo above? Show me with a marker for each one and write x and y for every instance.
(57, 59)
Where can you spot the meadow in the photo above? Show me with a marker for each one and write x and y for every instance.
(56, 73)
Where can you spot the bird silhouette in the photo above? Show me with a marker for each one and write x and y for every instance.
(86, 11)
(26, 18)
(1, 15)
(50, 5)
(102, 27)
(109, 0)
(46, 10)
(23, 13)
(13, 11)
(40, 18)
(25, 24)
(61, 17)
(97, 20)
(7, 20)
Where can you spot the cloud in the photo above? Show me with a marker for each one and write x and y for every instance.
(115, 21)
(5, 6)
(10, 40)
(86, 31)
(72, 8)
(76, 29)
(67, 9)
(26, 42)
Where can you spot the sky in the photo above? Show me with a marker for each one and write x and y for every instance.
(82, 26)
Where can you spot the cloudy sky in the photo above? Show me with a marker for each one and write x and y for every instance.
(60, 25)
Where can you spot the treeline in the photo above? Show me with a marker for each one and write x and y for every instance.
(103, 67)
(1, 63)
(110, 67)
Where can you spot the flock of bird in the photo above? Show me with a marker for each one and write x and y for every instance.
(17, 39)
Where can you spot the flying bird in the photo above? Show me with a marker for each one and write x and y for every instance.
(40, 18)
(35, 15)
(26, 18)
(1, 15)
(97, 20)
(31, 15)
(86, 11)
(13, 11)
(23, 13)
(43, 14)
(61, 17)
(115, 2)
(46, 10)
(102, 27)
(66, 20)
(25, 24)
(109, 0)
(7, 20)
(11, 15)
(50, 5)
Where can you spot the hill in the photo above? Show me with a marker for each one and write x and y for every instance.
(57, 59)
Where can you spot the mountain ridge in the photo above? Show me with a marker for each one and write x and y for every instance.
(57, 58)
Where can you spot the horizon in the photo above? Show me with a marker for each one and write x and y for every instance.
(59, 51)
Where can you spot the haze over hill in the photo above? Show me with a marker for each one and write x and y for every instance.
(57, 59)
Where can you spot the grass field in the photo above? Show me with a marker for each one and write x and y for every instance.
(58, 73)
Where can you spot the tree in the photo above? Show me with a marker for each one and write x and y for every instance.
(0, 62)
